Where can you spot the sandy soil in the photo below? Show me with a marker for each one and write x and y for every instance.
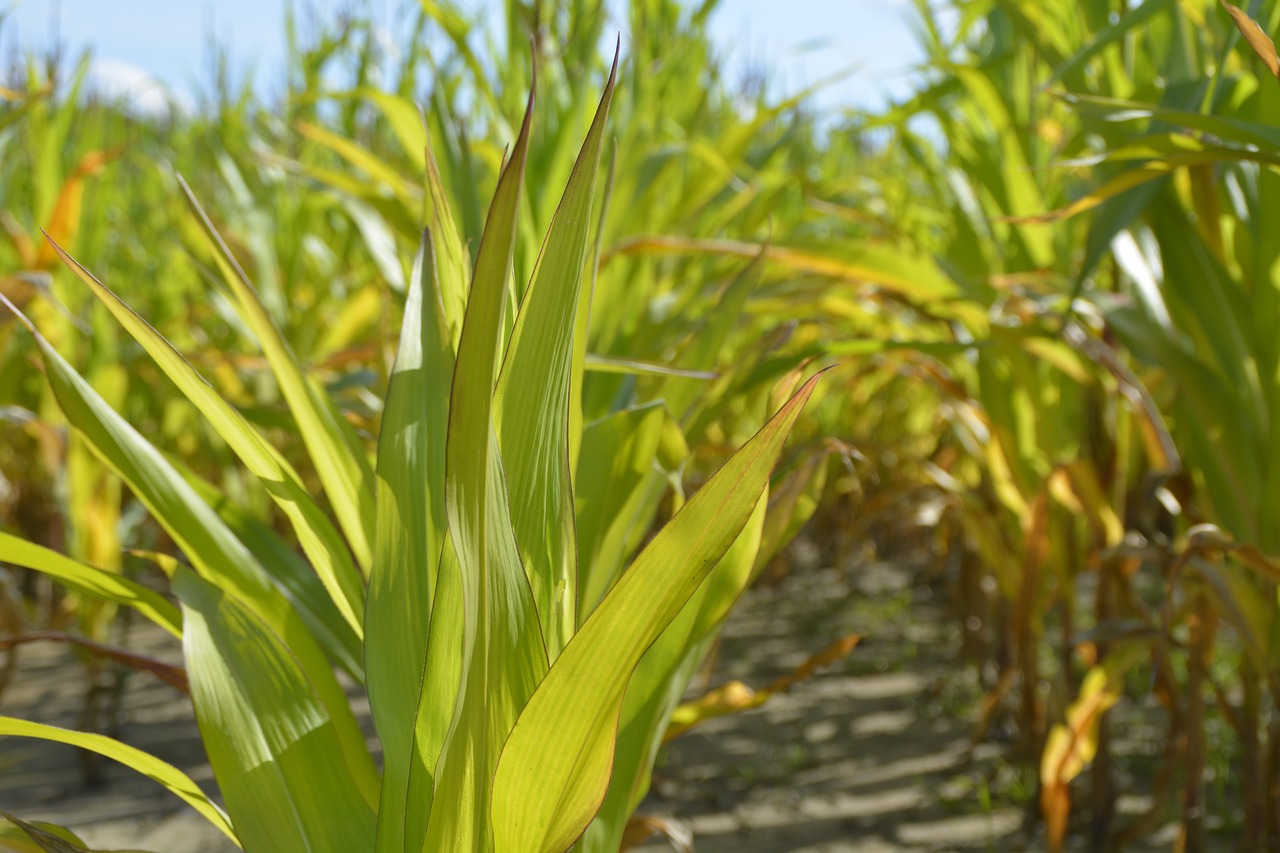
(873, 754)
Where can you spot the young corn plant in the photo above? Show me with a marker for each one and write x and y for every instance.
(512, 710)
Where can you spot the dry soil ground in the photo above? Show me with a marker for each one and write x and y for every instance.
(872, 754)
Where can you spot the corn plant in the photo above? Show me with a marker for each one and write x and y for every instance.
(1201, 297)
(450, 584)
(1160, 138)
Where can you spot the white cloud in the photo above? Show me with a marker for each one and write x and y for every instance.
(137, 90)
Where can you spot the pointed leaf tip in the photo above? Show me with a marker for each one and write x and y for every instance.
(1257, 39)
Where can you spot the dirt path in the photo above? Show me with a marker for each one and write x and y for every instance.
(871, 755)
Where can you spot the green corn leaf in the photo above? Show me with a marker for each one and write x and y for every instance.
(1131, 20)
(91, 581)
(292, 575)
(273, 747)
(341, 463)
(363, 159)
(1228, 128)
(531, 408)
(582, 324)
(211, 547)
(897, 271)
(441, 677)
(404, 119)
(15, 114)
(148, 765)
(555, 767)
(378, 239)
(503, 656)
(792, 505)
(617, 460)
(410, 534)
(322, 544)
(453, 264)
(636, 367)
(660, 681)
(1011, 175)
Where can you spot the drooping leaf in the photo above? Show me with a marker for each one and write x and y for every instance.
(174, 676)
(91, 581)
(1071, 745)
(912, 277)
(211, 547)
(145, 763)
(322, 544)
(1257, 39)
(292, 574)
(341, 463)
(19, 836)
(735, 697)
(272, 744)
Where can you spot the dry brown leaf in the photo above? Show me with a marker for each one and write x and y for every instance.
(735, 696)
(1257, 39)
(640, 827)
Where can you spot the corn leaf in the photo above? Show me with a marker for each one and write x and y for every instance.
(210, 546)
(453, 264)
(148, 765)
(91, 581)
(617, 459)
(410, 534)
(322, 544)
(273, 747)
(503, 656)
(531, 409)
(441, 677)
(341, 463)
(1256, 38)
(703, 353)
(660, 681)
(555, 767)
(20, 836)
(735, 697)
(292, 574)
(915, 278)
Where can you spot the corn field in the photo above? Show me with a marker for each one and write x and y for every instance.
(476, 384)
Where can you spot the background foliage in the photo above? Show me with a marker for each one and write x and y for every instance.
(1046, 282)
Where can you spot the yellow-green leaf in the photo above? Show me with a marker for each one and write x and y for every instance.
(531, 409)
(503, 656)
(273, 748)
(166, 774)
(322, 544)
(410, 534)
(91, 581)
(341, 463)
(555, 766)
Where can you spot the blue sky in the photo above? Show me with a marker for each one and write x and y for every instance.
(803, 41)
